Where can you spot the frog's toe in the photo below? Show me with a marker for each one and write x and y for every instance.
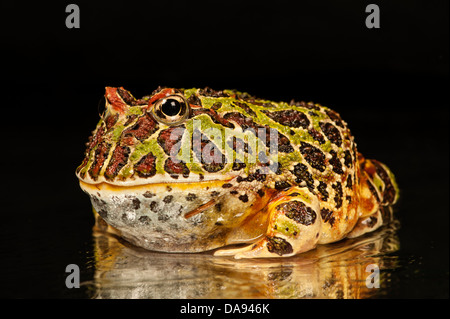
(265, 248)
(233, 251)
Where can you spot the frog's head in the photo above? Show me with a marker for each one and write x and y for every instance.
(172, 135)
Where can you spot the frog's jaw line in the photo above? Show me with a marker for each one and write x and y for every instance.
(158, 179)
(111, 188)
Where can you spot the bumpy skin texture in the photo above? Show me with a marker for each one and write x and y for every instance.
(201, 179)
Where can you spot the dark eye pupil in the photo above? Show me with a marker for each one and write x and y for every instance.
(171, 107)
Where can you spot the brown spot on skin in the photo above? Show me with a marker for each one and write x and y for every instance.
(261, 193)
(338, 197)
(136, 203)
(302, 173)
(335, 117)
(291, 118)
(373, 190)
(174, 169)
(190, 197)
(347, 159)
(317, 136)
(239, 146)
(284, 144)
(130, 118)
(349, 184)
(170, 138)
(148, 194)
(313, 156)
(118, 160)
(389, 193)
(238, 166)
(144, 127)
(207, 152)
(278, 246)
(327, 216)
(331, 132)
(144, 220)
(146, 166)
(246, 108)
(282, 185)
(309, 105)
(234, 192)
(215, 193)
(218, 207)
(322, 188)
(298, 211)
(336, 163)
(92, 142)
(111, 120)
(243, 198)
(100, 155)
(207, 91)
(226, 185)
(154, 207)
(168, 199)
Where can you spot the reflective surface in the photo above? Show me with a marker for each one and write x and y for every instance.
(338, 270)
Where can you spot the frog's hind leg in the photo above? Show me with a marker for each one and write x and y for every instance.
(294, 227)
(378, 192)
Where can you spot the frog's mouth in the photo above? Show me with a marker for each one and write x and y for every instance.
(159, 179)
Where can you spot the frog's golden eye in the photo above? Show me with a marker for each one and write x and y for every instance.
(171, 110)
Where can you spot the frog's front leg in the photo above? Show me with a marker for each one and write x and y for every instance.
(294, 227)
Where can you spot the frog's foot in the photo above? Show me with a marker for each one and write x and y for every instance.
(366, 224)
(294, 227)
(372, 222)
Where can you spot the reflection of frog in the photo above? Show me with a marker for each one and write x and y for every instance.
(337, 270)
(189, 170)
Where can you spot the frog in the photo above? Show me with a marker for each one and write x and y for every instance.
(197, 170)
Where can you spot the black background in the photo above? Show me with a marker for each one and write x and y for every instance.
(389, 84)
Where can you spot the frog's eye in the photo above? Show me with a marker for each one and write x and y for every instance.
(171, 110)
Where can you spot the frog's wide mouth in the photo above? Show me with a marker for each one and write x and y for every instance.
(162, 187)
(159, 179)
